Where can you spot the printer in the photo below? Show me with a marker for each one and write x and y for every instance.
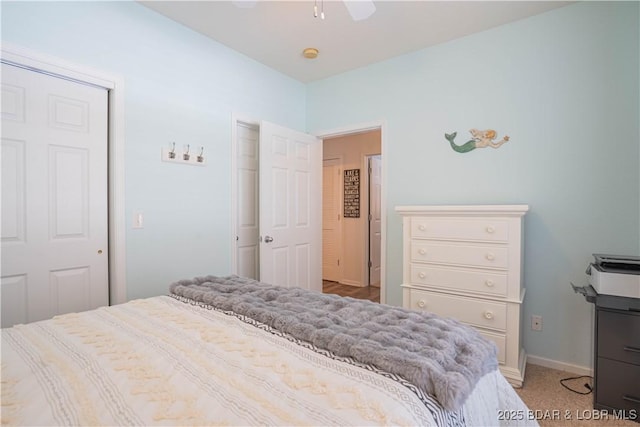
(615, 275)
(614, 290)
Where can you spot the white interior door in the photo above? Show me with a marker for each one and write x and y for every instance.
(331, 215)
(54, 196)
(247, 191)
(375, 219)
(290, 208)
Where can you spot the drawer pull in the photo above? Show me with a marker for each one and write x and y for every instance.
(422, 304)
(490, 229)
(422, 251)
(489, 283)
(421, 227)
(488, 315)
(630, 398)
(422, 275)
(490, 256)
(632, 349)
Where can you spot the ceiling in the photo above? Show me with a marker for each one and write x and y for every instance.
(276, 32)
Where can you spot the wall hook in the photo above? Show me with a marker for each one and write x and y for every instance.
(172, 153)
(201, 157)
(186, 155)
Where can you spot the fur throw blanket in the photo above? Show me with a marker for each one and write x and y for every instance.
(441, 356)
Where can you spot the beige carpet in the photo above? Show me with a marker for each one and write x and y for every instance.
(554, 405)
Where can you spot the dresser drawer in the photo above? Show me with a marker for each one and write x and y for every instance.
(500, 340)
(618, 385)
(478, 281)
(619, 336)
(476, 312)
(460, 254)
(490, 230)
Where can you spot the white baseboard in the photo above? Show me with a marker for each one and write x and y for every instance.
(561, 366)
(351, 283)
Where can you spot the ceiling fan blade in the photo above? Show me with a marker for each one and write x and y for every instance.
(244, 4)
(360, 9)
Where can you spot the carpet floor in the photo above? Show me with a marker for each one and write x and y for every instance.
(554, 405)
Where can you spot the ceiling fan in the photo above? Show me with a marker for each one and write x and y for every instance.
(358, 9)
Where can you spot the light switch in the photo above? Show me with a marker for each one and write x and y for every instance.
(138, 220)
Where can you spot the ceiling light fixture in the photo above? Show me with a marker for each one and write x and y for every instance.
(315, 9)
(358, 9)
(310, 53)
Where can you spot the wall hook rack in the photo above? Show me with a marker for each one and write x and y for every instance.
(169, 155)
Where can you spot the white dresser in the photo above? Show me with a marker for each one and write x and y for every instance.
(465, 262)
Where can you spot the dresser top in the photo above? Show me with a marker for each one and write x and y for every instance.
(463, 210)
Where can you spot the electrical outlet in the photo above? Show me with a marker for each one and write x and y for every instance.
(536, 322)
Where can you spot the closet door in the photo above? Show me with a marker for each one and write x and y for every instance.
(54, 196)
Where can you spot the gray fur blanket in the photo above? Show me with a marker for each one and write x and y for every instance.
(440, 356)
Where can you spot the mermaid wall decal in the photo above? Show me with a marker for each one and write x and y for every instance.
(479, 139)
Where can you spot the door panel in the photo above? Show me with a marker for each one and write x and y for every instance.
(247, 233)
(14, 290)
(70, 289)
(290, 208)
(68, 195)
(13, 185)
(54, 196)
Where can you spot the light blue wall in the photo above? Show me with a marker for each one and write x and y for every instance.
(564, 86)
(179, 86)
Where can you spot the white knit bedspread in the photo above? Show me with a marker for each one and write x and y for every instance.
(160, 361)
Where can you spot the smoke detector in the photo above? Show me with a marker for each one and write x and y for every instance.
(310, 53)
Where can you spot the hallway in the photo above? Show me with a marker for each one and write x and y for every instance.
(371, 293)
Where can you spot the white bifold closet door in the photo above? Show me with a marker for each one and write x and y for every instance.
(54, 196)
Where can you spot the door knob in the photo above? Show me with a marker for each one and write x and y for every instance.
(268, 239)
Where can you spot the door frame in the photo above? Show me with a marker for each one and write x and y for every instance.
(367, 185)
(236, 119)
(363, 128)
(114, 84)
(340, 160)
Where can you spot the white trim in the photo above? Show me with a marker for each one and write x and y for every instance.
(340, 161)
(27, 58)
(350, 129)
(561, 366)
(367, 186)
(361, 128)
(464, 210)
(353, 283)
(37, 61)
(236, 119)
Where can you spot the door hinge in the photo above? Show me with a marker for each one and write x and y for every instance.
(338, 262)
(370, 264)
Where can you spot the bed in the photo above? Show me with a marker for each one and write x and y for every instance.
(233, 351)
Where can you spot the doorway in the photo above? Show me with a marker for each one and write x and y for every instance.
(276, 204)
(252, 181)
(355, 161)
